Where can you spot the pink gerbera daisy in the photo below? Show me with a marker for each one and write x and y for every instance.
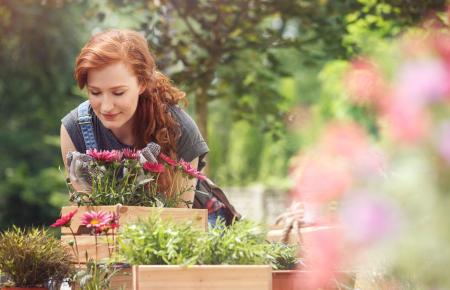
(153, 167)
(92, 219)
(105, 155)
(191, 171)
(167, 159)
(130, 153)
(64, 221)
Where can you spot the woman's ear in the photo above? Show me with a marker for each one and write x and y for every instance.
(142, 88)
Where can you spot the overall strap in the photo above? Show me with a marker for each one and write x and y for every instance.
(85, 122)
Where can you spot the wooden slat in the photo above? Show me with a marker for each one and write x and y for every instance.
(214, 277)
(130, 214)
(86, 243)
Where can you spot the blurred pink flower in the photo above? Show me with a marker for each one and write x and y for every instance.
(364, 82)
(421, 82)
(367, 219)
(324, 255)
(321, 180)
(405, 121)
(105, 155)
(443, 142)
(92, 219)
(345, 140)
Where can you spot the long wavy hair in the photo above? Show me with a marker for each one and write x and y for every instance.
(152, 120)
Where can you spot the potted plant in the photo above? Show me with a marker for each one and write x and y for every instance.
(178, 256)
(33, 259)
(95, 274)
(126, 182)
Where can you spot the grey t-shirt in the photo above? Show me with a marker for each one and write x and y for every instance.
(190, 144)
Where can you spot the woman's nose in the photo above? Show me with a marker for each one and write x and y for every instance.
(107, 104)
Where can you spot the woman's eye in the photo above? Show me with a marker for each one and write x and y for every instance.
(118, 94)
(95, 93)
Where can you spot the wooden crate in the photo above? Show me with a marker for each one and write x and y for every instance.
(211, 277)
(127, 214)
(296, 280)
(130, 214)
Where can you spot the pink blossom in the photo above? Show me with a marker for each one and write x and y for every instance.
(153, 167)
(421, 82)
(167, 159)
(322, 179)
(130, 153)
(363, 82)
(324, 254)
(368, 219)
(443, 142)
(92, 219)
(105, 155)
(191, 171)
(344, 139)
(406, 122)
(64, 221)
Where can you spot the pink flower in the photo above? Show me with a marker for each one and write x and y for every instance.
(191, 171)
(443, 142)
(64, 221)
(105, 155)
(153, 167)
(363, 82)
(167, 159)
(422, 81)
(130, 153)
(320, 179)
(92, 219)
(368, 219)
(114, 224)
(323, 256)
(406, 122)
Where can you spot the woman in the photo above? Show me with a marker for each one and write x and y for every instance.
(130, 103)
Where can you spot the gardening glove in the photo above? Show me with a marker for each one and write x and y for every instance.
(150, 153)
(78, 167)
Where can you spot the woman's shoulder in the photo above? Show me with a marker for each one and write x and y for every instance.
(191, 143)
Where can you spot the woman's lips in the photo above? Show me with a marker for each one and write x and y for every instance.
(110, 116)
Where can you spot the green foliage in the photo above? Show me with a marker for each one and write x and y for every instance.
(154, 242)
(157, 242)
(95, 276)
(35, 92)
(33, 257)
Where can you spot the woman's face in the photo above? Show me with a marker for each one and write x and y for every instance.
(113, 93)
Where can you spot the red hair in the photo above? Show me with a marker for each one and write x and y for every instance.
(152, 120)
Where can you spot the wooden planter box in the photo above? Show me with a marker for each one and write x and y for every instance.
(295, 280)
(211, 277)
(127, 214)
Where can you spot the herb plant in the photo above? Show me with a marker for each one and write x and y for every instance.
(157, 242)
(33, 258)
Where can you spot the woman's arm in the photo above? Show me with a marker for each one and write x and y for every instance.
(66, 147)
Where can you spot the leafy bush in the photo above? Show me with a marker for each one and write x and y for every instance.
(33, 257)
(157, 242)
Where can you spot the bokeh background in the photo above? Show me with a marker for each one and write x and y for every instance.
(262, 78)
